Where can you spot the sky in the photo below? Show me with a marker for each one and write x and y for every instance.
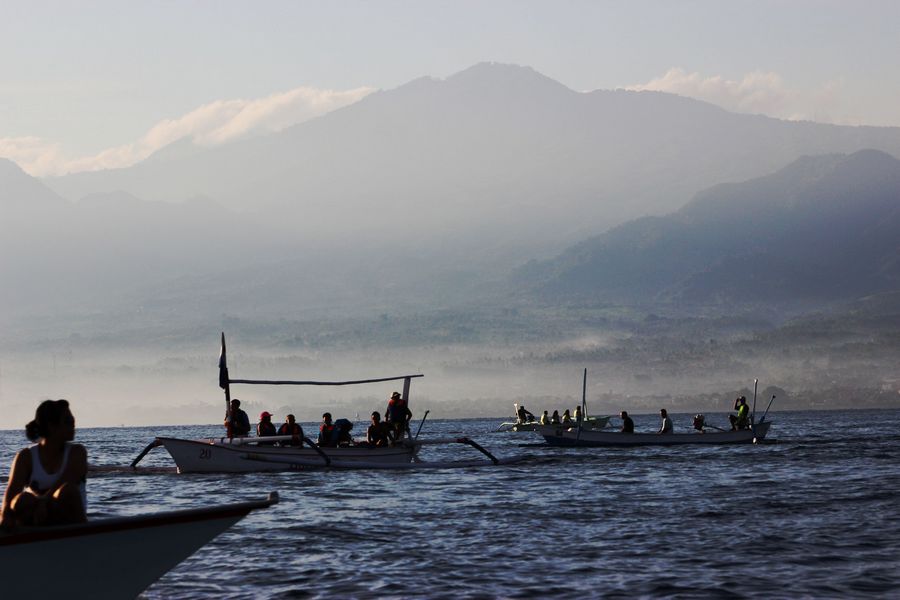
(104, 84)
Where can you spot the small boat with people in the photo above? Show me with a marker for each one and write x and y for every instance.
(238, 452)
(745, 429)
(526, 422)
(114, 558)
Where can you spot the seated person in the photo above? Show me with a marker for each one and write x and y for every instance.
(341, 433)
(326, 431)
(292, 428)
(578, 415)
(237, 423)
(523, 415)
(379, 434)
(545, 418)
(742, 419)
(554, 418)
(627, 423)
(665, 426)
(46, 481)
(265, 428)
(566, 418)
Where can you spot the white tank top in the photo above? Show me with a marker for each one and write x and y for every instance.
(42, 481)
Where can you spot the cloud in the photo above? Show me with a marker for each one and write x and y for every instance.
(758, 92)
(209, 125)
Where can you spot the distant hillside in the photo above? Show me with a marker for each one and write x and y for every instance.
(496, 157)
(824, 229)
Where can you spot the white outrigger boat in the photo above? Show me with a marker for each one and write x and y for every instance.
(519, 426)
(111, 558)
(562, 435)
(254, 454)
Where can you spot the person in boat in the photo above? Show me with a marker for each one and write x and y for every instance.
(545, 418)
(341, 433)
(627, 423)
(665, 427)
(566, 418)
(379, 434)
(292, 428)
(742, 419)
(326, 431)
(554, 418)
(47, 480)
(578, 415)
(523, 415)
(398, 415)
(265, 427)
(237, 423)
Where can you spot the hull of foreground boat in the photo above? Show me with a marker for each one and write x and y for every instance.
(221, 456)
(110, 558)
(558, 436)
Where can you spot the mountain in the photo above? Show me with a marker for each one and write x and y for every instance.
(824, 229)
(492, 162)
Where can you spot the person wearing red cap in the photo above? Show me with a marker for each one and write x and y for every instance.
(265, 427)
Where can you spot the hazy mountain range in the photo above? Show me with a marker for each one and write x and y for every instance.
(823, 230)
(429, 195)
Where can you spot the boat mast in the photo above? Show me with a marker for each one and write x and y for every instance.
(583, 414)
(224, 382)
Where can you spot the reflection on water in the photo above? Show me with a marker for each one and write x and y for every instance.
(813, 514)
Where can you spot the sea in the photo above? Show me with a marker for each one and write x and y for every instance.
(811, 513)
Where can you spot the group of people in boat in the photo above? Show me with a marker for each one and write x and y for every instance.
(567, 418)
(739, 421)
(332, 433)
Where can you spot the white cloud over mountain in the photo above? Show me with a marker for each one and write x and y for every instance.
(757, 92)
(211, 124)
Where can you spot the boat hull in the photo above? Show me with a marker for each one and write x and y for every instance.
(558, 436)
(217, 456)
(110, 558)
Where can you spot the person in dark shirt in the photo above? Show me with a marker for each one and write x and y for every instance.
(627, 423)
(326, 429)
(237, 423)
(398, 415)
(379, 434)
(524, 415)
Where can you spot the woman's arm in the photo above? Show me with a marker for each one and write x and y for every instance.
(18, 479)
(76, 469)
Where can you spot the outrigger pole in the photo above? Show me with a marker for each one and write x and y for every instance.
(753, 415)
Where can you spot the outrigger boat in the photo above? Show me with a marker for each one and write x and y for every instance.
(556, 435)
(519, 426)
(253, 454)
(111, 558)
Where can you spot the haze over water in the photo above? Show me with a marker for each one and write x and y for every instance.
(811, 514)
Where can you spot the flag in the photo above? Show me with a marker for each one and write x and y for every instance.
(223, 366)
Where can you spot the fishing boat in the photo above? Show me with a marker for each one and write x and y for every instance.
(575, 435)
(519, 426)
(571, 436)
(253, 454)
(110, 558)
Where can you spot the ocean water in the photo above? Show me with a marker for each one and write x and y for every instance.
(812, 514)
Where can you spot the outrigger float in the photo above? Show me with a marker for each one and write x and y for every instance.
(254, 454)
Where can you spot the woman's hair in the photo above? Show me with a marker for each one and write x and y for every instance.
(48, 412)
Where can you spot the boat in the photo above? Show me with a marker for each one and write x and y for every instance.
(112, 558)
(570, 436)
(565, 435)
(254, 454)
(593, 423)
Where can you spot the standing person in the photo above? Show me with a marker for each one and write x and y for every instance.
(742, 419)
(665, 427)
(47, 480)
(237, 423)
(379, 434)
(326, 431)
(627, 423)
(398, 415)
(292, 428)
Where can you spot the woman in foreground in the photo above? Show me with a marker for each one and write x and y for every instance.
(46, 482)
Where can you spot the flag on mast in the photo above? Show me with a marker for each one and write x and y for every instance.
(223, 366)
